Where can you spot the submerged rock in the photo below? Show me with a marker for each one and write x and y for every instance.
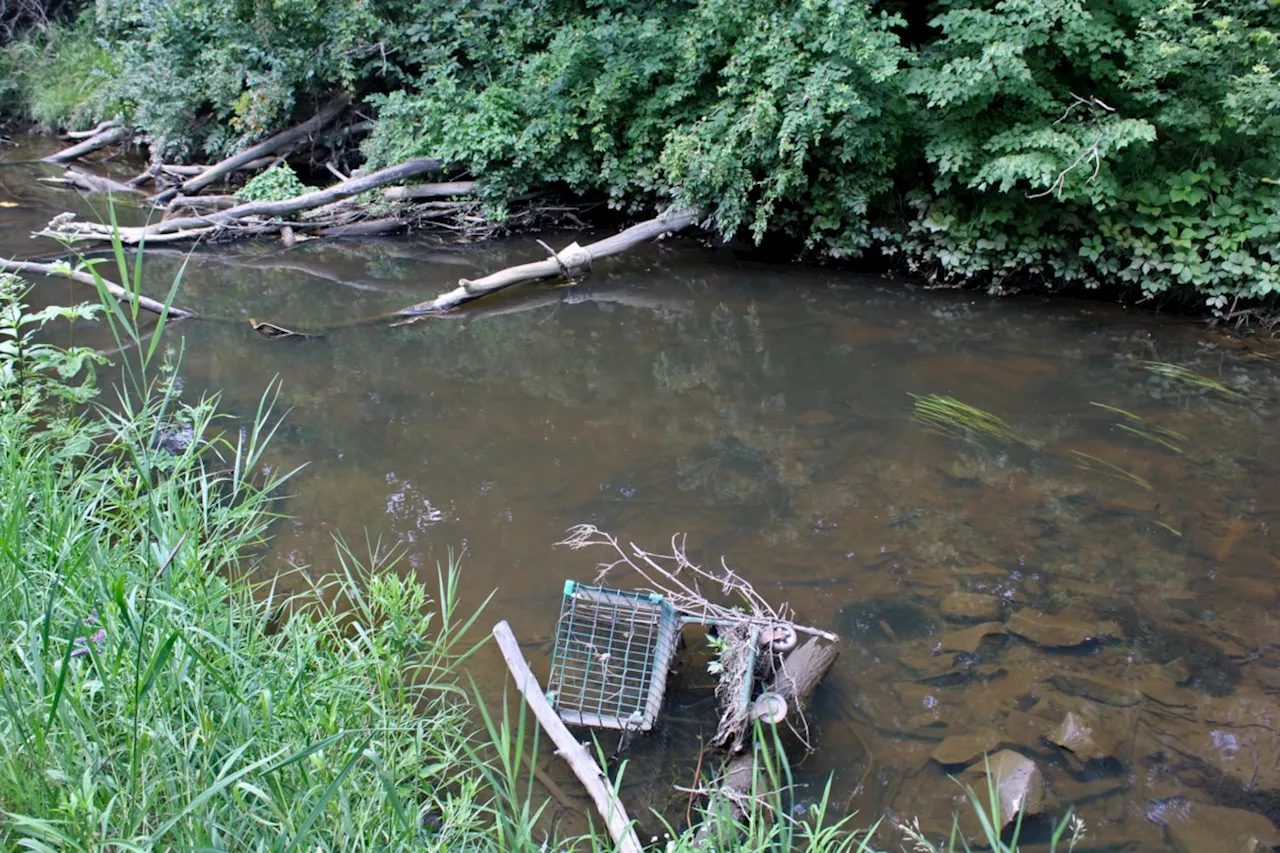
(966, 748)
(885, 618)
(1059, 630)
(1206, 665)
(1019, 784)
(970, 639)
(970, 607)
(1099, 688)
(1078, 736)
(1201, 828)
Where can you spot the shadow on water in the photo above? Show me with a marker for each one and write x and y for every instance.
(984, 592)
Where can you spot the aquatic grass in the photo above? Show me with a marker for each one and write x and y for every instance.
(1089, 462)
(1189, 377)
(952, 418)
(1142, 428)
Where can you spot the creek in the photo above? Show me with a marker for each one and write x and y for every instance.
(1118, 552)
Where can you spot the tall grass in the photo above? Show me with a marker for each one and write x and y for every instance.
(155, 693)
(60, 76)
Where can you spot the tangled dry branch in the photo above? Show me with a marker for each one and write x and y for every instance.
(690, 587)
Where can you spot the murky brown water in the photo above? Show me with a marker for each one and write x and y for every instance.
(765, 412)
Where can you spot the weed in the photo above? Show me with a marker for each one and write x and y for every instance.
(1089, 462)
(1142, 428)
(1189, 377)
(954, 419)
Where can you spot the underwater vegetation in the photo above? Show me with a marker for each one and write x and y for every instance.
(1142, 428)
(1189, 377)
(963, 422)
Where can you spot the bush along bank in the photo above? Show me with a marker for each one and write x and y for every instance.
(1086, 144)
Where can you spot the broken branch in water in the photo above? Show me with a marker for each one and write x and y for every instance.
(106, 124)
(253, 216)
(688, 586)
(569, 261)
(64, 270)
(109, 136)
(567, 746)
(327, 113)
(90, 183)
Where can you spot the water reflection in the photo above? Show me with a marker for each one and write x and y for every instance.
(766, 412)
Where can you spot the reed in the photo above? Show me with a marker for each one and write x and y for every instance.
(1190, 378)
(961, 421)
(1089, 462)
(1139, 426)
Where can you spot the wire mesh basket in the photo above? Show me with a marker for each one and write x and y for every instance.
(613, 651)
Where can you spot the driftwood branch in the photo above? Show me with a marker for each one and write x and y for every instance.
(441, 190)
(327, 113)
(249, 215)
(144, 302)
(803, 670)
(568, 747)
(106, 124)
(90, 183)
(572, 258)
(107, 137)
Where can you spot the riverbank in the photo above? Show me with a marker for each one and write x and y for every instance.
(1130, 151)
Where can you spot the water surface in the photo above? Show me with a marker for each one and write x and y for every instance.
(766, 412)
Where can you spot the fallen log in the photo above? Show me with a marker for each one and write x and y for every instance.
(796, 679)
(107, 137)
(249, 213)
(567, 746)
(105, 124)
(367, 228)
(569, 262)
(327, 113)
(90, 183)
(802, 671)
(727, 804)
(202, 203)
(440, 190)
(144, 302)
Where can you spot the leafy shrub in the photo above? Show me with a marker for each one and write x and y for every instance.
(275, 184)
(1089, 142)
(249, 66)
(33, 374)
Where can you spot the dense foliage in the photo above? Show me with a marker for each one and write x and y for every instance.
(994, 142)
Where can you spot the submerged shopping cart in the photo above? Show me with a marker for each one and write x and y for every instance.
(614, 650)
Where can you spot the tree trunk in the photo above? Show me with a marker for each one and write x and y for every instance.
(144, 302)
(802, 671)
(442, 190)
(99, 140)
(327, 113)
(190, 227)
(571, 260)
